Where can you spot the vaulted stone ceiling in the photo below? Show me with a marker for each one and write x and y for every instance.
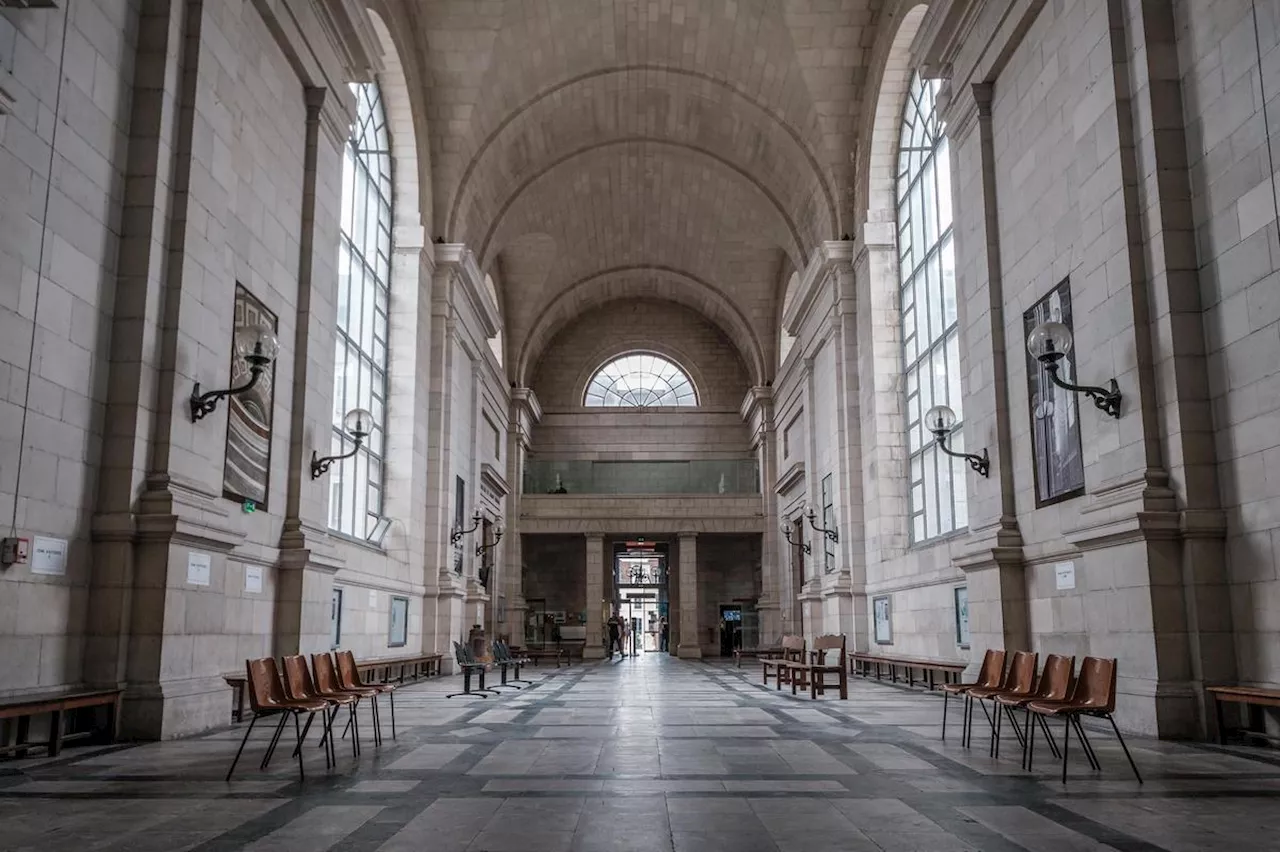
(589, 150)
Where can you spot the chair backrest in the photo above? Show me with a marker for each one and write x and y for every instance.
(1056, 678)
(1021, 676)
(992, 672)
(1096, 685)
(348, 676)
(831, 642)
(326, 675)
(263, 680)
(297, 678)
(793, 648)
(500, 654)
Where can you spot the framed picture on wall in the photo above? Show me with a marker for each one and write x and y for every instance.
(1055, 417)
(246, 471)
(962, 616)
(882, 617)
(398, 635)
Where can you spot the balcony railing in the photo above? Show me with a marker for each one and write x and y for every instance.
(735, 476)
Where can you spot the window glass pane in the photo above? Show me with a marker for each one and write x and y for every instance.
(929, 311)
(640, 380)
(360, 366)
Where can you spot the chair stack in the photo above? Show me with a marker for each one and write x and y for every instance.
(1057, 692)
(323, 688)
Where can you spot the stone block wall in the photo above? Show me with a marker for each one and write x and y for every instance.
(63, 156)
(1230, 76)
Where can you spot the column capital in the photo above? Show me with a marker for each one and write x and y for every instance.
(594, 537)
(686, 534)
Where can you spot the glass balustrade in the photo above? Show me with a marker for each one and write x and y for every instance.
(734, 476)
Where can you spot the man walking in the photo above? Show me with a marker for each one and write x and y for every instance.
(615, 633)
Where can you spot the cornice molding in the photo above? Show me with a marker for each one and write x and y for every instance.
(7, 87)
(461, 262)
(792, 477)
(494, 478)
(827, 257)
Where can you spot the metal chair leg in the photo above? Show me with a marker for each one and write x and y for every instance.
(1066, 740)
(1029, 749)
(240, 750)
(298, 733)
(1124, 746)
(271, 747)
(1089, 753)
(944, 716)
(392, 697)
(1048, 735)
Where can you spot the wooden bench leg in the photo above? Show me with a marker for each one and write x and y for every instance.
(1222, 724)
(55, 733)
(23, 734)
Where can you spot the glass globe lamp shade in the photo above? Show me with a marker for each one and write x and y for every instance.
(256, 344)
(785, 527)
(940, 420)
(1049, 341)
(358, 423)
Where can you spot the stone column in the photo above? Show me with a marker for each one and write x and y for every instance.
(595, 596)
(758, 412)
(991, 556)
(690, 646)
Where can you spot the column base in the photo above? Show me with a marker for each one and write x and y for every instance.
(175, 708)
(689, 652)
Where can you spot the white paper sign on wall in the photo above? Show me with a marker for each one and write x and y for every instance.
(1065, 574)
(49, 556)
(253, 579)
(373, 599)
(198, 569)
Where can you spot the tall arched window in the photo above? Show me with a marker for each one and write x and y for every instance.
(364, 273)
(930, 337)
(639, 380)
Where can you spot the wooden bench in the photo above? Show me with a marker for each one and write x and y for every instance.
(792, 650)
(863, 664)
(58, 705)
(812, 674)
(400, 669)
(1246, 695)
(537, 654)
(756, 653)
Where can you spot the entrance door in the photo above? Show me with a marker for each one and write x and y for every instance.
(335, 619)
(730, 629)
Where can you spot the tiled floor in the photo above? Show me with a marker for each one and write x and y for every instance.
(639, 755)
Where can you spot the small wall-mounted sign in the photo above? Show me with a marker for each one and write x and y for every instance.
(253, 579)
(49, 556)
(1065, 575)
(199, 569)
(373, 599)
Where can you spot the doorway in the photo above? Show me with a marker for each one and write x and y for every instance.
(730, 629)
(640, 593)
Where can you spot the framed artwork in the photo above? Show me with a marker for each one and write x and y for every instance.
(246, 471)
(828, 522)
(962, 616)
(459, 501)
(882, 616)
(398, 635)
(1055, 417)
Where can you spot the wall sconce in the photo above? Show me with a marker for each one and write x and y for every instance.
(812, 516)
(1050, 342)
(941, 420)
(497, 537)
(357, 424)
(786, 533)
(257, 346)
(456, 534)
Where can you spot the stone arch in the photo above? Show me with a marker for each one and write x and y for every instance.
(785, 338)
(406, 123)
(659, 283)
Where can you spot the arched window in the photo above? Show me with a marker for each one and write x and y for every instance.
(364, 272)
(640, 380)
(930, 337)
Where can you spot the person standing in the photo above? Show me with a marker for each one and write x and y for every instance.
(615, 632)
(664, 631)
